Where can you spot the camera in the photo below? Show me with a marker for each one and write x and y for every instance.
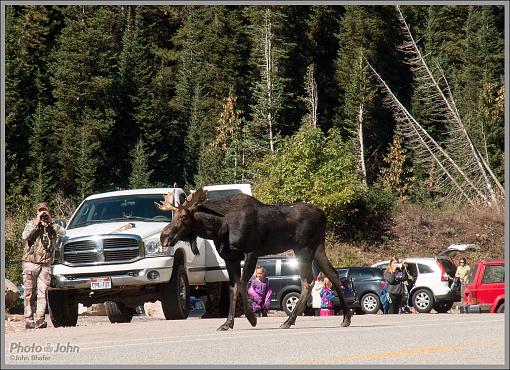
(398, 265)
(45, 217)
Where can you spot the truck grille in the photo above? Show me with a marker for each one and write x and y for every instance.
(103, 249)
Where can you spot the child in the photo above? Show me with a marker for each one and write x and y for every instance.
(316, 294)
(260, 292)
(327, 296)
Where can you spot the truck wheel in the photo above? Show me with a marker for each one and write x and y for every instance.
(62, 307)
(443, 307)
(423, 301)
(118, 312)
(175, 295)
(289, 302)
(501, 308)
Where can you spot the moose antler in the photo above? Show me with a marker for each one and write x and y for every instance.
(168, 204)
(197, 197)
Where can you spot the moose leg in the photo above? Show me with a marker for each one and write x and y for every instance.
(305, 266)
(249, 267)
(234, 273)
(327, 268)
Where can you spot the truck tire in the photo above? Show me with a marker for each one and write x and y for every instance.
(501, 308)
(118, 312)
(175, 295)
(423, 300)
(62, 307)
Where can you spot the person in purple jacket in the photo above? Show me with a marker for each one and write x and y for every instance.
(260, 292)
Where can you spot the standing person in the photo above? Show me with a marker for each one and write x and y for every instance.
(327, 297)
(408, 285)
(316, 294)
(39, 238)
(462, 273)
(394, 277)
(260, 292)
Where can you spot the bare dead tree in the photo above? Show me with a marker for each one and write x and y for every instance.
(268, 54)
(435, 94)
(311, 99)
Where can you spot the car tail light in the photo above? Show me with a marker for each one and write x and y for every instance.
(472, 297)
(444, 274)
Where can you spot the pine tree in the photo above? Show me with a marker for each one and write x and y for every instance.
(140, 173)
(269, 51)
(43, 156)
(83, 81)
(399, 175)
(211, 67)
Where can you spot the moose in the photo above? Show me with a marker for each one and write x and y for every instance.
(243, 228)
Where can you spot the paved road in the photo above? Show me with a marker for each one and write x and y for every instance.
(417, 339)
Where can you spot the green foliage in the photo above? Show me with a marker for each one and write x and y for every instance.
(140, 173)
(320, 169)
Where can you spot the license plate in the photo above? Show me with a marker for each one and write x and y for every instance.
(100, 283)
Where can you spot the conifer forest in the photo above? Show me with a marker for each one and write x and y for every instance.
(364, 111)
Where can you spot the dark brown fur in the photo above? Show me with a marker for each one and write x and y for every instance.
(243, 228)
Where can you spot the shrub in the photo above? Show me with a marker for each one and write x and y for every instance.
(322, 170)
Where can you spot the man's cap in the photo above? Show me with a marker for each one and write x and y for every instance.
(42, 207)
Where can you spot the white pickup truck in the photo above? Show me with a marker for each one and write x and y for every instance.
(111, 253)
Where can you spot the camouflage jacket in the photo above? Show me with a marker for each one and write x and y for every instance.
(39, 242)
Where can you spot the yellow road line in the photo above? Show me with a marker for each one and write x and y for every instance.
(400, 353)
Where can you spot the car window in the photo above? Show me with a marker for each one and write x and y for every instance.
(377, 273)
(341, 272)
(383, 266)
(290, 267)
(356, 274)
(218, 194)
(424, 269)
(493, 274)
(269, 265)
(412, 269)
(448, 266)
(472, 273)
(121, 208)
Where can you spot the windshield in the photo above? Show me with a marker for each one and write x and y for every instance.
(123, 208)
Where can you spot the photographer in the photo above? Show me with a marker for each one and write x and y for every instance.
(394, 277)
(39, 238)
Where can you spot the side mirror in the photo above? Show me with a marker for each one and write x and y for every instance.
(61, 223)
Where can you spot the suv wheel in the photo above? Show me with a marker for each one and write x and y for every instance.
(118, 312)
(370, 303)
(423, 300)
(62, 307)
(501, 308)
(175, 294)
(443, 307)
(289, 302)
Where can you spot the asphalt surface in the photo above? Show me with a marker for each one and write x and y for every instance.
(414, 339)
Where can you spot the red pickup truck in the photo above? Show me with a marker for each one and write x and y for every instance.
(485, 287)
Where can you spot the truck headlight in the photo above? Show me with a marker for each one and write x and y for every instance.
(153, 248)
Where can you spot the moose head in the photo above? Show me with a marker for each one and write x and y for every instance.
(182, 225)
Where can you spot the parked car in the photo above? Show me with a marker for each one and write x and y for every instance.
(433, 278)
(284, 278)
(485, 287)
(368, 282)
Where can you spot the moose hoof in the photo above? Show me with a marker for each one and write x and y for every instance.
(285, 325)
(347, 319)
(223, 327)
